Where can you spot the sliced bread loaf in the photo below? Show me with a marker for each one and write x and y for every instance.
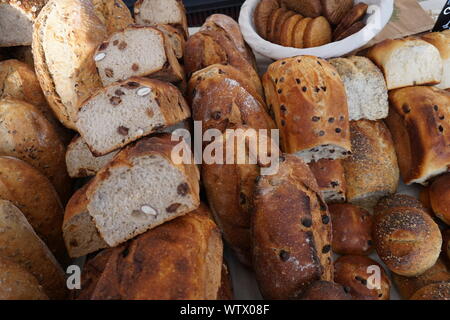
(137, 51)
(141, 188)
(365, 87)
(127, 111)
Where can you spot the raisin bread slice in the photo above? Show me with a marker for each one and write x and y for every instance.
(141, 188)
(127, 111)
(137, 51)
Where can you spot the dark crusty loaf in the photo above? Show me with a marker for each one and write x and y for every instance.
(330, 178)
(291, 231)
(128, 196)
(434, 291)
(308, 100)
(114, 14)
(35, 196)
(440, 197)
(371, 171)
(326, 290)
(418, 121)
(181, 259)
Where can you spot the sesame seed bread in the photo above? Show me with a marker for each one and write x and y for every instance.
(309, 103)
(114, 14)
(16, 21)
(434, 291)
(365, 86)
(128, 111)
(20, 244)
(330, 178)
(371, 171)
(407, 62)
(398, 200)
(418, 121)
(441, 40)
(153, 12)
(137, 51)
(35, 196)
(118, 211)
(64, 56)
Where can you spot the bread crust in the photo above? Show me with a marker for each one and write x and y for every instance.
(440, 197)
(434, 291)
(326, 290)
(398, 200)
(330, 177)
(291, 232)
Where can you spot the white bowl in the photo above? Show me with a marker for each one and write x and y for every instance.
(378, 15)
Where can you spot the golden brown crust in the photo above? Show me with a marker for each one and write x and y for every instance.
(407, 240)
(352, 228)
(435, 291)
(299, 32)
(291, 232)
(355, 14)
(440, 197)
(398, 200)
(279, 24)
(261, 16)
(114, 14)
(353, 273)
(330, 178)
(420, 134)
(326, 290)
(287, 30)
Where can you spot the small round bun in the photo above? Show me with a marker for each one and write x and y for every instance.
(396, 201)
(356, 273)
(435, 291)
(326, 290)
(407, 240)
(440, 197)
(352, 228)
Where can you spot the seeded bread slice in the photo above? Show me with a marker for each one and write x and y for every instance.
(137, 51)
(141, 188)
(81, 162)
(114, 14)
(127, 111)
(365, 86)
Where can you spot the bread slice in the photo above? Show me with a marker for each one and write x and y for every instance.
(299, 33)
(365, 86)
(317, 33)
(354, 28)
(65, 37)
(126, 54)
(16, 21)
(153, 12)
(18, 283)
(287, 30)
(138, 190)
(127, 111)
(407, 62)
(356, 14)
(307, 8)
(81, 162)
(271, 26)
(20, 244)
(114, 14)
(279, 24)
(335, 10)
(175, 37)
(441, 40)
(261, 16)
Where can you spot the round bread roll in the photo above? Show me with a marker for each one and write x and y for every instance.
(397, 200)
(407, 240)
(352, 229)
(326, 290)
(440, 197)
(435, 291)
(358, 273)
(407, 286)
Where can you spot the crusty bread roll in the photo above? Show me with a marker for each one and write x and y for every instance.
(353, 273)
(407, 62)
(440, 197)
(352, 229)
(371, 171)
(330, 178)
(418, 121)
(407, 240)
(291, 231)
(326, 290)
(63, 56)
(441, 40)
(308, 100)
(435, 291)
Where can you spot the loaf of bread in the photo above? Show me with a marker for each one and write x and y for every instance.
(20, 244)
(407, 240)
(418, 121)
(114, 14)
(407, 286)
(407, 62)
(330, 178)
(175, 38)
(153, 12)
(440, 197)
(291, 231)
(65, 37)
(326, 290)
(137, 51)
(441, 40)
(366, 90)
(35, 196)
(129, 196)
(352, 229)
(26, 134)
(371, 171)
(354, 273)
(18, 283)
(16, 21)
(308, 100)
(435, 291)
(181, 259)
